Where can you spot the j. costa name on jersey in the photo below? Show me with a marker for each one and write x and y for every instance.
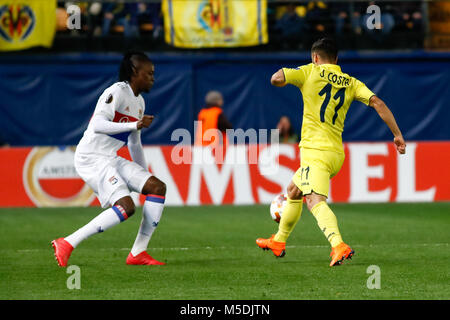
(334, 78)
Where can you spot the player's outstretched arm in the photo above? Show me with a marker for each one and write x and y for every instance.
(387, 116)
(101, 124)
(278, 79)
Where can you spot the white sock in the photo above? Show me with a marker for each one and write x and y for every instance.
(151, 214)
(100, 223)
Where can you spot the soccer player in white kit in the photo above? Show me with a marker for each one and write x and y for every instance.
(117, 120)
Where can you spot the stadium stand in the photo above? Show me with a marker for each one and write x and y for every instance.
(293, 24)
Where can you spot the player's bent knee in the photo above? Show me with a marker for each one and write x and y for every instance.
(313, 199)
(154, 186)
(294, 193)
(161, 188)
(309, 203)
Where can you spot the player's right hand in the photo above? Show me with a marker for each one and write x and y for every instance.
(145, 122)
(400, 144)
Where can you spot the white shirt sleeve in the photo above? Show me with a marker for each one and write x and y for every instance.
(108, 103)
(101, 124)
(135, 148)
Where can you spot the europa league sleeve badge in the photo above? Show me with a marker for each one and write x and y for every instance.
(109, 99)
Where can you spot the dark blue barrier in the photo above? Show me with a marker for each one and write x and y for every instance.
(48, 100)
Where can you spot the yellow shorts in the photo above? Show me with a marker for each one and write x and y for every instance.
(316, 170)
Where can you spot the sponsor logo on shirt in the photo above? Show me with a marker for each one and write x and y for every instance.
(120, 117)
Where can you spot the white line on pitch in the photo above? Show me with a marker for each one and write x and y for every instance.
(402, 245)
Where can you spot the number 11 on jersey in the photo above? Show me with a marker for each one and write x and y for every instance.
(327, 92)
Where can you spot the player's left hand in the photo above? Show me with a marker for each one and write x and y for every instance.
(400, 144)
(145, 121)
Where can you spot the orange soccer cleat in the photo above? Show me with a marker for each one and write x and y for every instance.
(278, 248)
(339, 253)
(63, 249)
(143, 258)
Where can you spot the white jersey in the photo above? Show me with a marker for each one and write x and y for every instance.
(118, 104)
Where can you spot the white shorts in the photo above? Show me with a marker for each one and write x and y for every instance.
(111, 178)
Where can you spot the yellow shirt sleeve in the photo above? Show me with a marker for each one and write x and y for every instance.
(362, 93)
(297, 76)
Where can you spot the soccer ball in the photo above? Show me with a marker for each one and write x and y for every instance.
(277, 207)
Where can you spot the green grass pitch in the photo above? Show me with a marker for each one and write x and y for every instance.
(211, 253)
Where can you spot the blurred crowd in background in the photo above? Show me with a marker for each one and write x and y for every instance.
(292, 24)
(131, 19)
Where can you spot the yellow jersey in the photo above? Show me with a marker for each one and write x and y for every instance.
(327, 94)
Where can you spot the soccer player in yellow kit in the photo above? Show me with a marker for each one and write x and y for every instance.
(327, 94)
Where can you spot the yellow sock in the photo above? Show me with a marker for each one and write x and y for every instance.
(327, 222)
(291, 214)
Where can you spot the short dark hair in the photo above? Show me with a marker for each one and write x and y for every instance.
(128, 64)
(326, 48)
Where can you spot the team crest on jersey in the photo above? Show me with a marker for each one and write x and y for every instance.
(127, 109)
(140, 113)
(109, 99)
(113, 180)
(17, 22)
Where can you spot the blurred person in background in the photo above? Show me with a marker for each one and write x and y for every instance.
(62, 16)
(90, 14)
(387, 22)
(409, 17)
(347, 18)
(318, 17)
(149, 18)
(122, 16)
(290, 26)
(286, 131)
(212, 117)
(94, 18)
